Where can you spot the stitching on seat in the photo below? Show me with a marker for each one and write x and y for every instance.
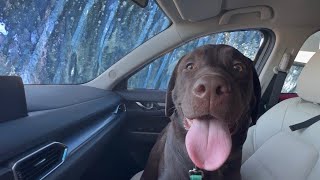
(311, 169)
(255, 149)
(277, 132)
(253, 144)
(266, 167)
(263, 144)
(254, 140)
(298, 105)
(284, 117)
(298, 138)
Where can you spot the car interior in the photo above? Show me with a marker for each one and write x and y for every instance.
(82, 95)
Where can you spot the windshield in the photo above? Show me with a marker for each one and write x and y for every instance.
(71, 41)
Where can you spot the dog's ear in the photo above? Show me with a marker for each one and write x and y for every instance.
(169, 106)
(256, 97)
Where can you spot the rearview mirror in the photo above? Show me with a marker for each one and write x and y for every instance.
(141, 3)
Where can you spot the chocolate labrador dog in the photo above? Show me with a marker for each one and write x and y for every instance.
(212, 98)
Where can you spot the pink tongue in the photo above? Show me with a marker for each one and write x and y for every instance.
(208, 143)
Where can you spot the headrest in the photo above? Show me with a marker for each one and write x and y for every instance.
(308, 85)
(12, 98)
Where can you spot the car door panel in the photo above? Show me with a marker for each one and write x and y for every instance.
(80, 117)
(144, 121)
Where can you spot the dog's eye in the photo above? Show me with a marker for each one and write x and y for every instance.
(189, 66)
(238, 67)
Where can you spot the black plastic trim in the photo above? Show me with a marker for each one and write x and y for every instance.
(147, 95)
(49, 125)
(46, 97)
(87, 152)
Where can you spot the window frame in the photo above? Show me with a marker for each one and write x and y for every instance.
(259, 61)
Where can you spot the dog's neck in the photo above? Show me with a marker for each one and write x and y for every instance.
(175, 152)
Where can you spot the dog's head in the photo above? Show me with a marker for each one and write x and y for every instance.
(213, 91)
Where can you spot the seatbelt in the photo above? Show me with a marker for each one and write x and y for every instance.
(265, 97)
(273, 91)
(280, 77)
(305, 124)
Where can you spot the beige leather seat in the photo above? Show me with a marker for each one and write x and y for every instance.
(272, 151)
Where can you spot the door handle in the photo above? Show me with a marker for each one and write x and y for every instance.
(147, 105)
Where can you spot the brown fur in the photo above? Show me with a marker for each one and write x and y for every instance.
(169, 158)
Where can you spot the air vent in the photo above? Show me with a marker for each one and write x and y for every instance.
(40, 163)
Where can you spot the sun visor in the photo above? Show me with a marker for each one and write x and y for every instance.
(12, 98)
(198, 10)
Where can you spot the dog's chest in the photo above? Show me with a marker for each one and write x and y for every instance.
(176, 163)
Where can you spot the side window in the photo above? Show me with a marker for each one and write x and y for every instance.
(157, 74)
(72, 42)
(308, 49)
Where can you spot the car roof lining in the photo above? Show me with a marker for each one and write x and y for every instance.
(291, 29)
(199, 10)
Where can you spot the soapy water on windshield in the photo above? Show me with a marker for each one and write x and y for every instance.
(3, 30)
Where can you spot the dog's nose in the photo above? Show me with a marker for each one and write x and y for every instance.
(210, 85)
